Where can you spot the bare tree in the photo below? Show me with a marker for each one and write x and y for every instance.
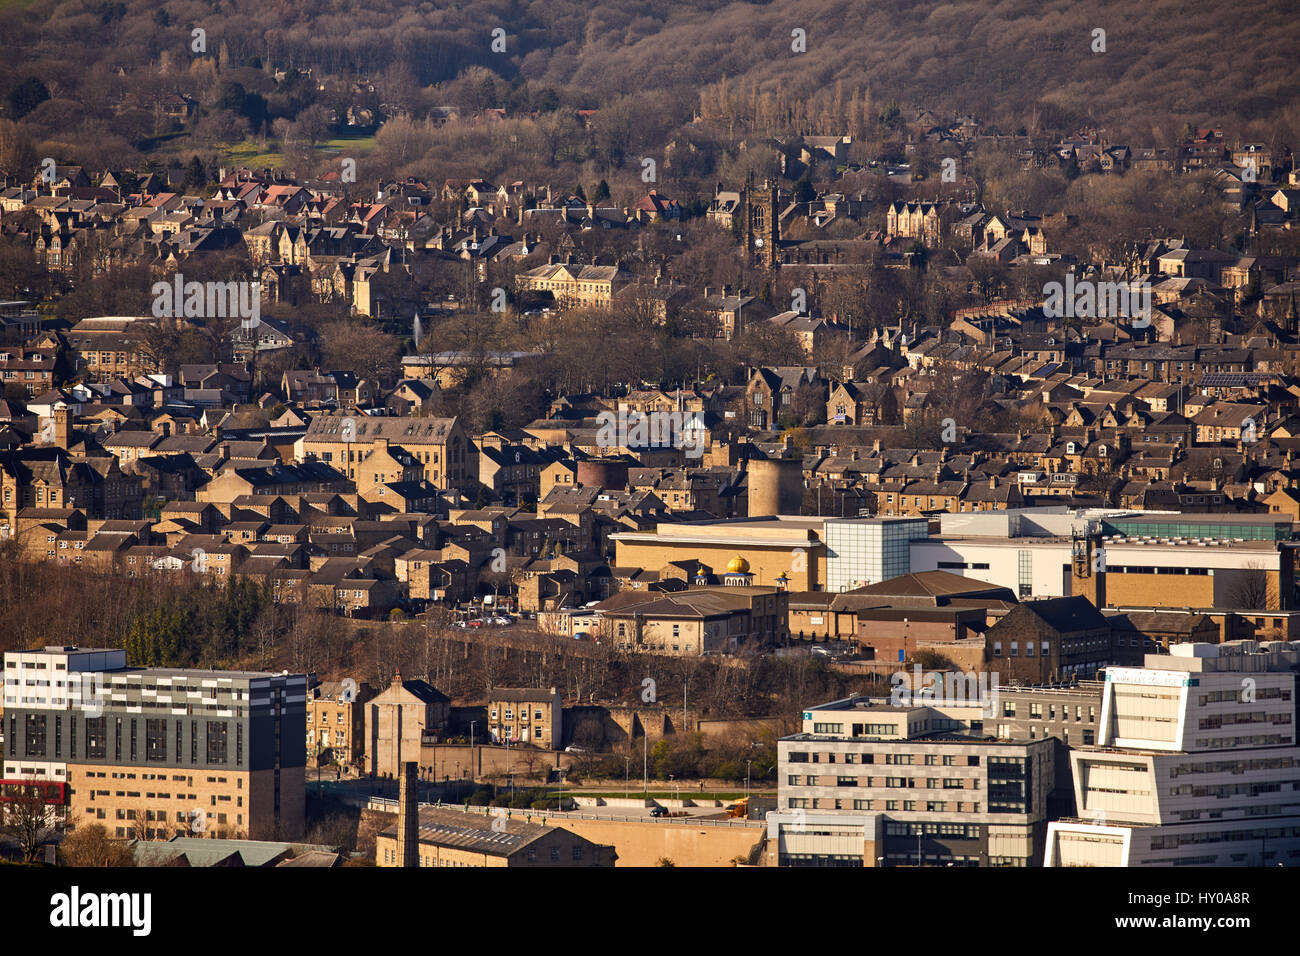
(27, 815)
(1249, 588)
(265, 632)
(304, 642)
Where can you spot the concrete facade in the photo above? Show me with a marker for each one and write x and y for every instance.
(1196, 763)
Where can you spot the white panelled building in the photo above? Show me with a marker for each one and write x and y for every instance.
(1196, 763)
(59, 680)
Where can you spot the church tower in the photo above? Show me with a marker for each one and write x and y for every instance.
(1088, 567)
(762, 229)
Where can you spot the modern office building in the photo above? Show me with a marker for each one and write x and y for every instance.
(1144, 560)
(1195, 763)
(1066, 714)
(869, 783)
(156, 752)
(1151, 559)
(55, 681)
(864, 551)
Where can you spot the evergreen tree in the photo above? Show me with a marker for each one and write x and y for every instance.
(26, 96)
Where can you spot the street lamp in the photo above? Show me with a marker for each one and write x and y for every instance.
(627, 776)
(747, 765)
(471, 748)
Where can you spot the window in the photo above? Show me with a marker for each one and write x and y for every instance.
(96, 736)
(1026, 569)
(34, 745)
(217, 742)
(155, 740)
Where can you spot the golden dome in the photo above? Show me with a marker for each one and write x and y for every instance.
(738, 565)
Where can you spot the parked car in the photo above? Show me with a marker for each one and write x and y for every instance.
(657, 811)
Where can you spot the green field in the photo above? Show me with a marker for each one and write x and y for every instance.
(359, 143)
(250, 152)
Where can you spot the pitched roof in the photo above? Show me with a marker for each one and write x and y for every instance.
(1066, 614)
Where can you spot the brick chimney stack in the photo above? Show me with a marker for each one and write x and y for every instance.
(62, 416)
(408, 817)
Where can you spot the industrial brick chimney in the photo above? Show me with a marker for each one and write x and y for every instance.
(408, 817)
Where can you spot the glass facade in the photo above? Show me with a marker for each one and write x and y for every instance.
(1198, 526)
(862, 551)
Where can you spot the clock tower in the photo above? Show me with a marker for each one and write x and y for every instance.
(1088, 567)
(762, 228)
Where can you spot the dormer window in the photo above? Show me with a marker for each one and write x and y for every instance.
(1070, 448)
